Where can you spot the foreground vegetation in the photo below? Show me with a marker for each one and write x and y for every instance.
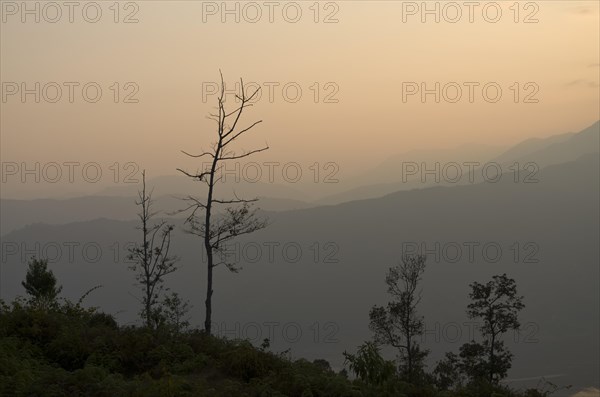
(69, 350)
(53, 347)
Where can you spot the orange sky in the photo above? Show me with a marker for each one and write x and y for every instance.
(367, 56)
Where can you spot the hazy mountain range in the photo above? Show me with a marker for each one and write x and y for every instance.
(543, 233)
(119, 202)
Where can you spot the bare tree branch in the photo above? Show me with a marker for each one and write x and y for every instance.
(246, 154)
(151, 259)
(232, 222)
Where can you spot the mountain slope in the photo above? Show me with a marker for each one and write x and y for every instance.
(19, 213)
(543, 234)
(555, 149)
(539, 151)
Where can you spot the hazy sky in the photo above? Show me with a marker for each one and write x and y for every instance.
(367, 56)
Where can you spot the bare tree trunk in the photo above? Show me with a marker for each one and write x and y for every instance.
(207, 241)
(410, 359)
(492, 358)
(148, 306)
(209, 268)
(145, 215)
(409, 335)
(209, 292)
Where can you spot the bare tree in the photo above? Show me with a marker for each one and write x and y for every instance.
(151, 259)
(238, 217)
(398, 324)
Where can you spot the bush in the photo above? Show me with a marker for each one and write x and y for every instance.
(71, 351)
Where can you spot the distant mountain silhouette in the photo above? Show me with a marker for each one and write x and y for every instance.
(178, 185)
(118, 202)
(558, 215)
(556, 149)
(541, 151)
(19, 213)
(390, 168)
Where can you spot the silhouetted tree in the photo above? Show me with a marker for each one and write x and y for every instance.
(323, 364)
(150, 259)
(497, 304)
(398, 324)
(235, 220)
(175, 312)
(473, 361)
(447, 373)
(469, 367)
(368, 365)
(40, 283)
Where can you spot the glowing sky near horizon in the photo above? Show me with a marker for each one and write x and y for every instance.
(368, 57)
